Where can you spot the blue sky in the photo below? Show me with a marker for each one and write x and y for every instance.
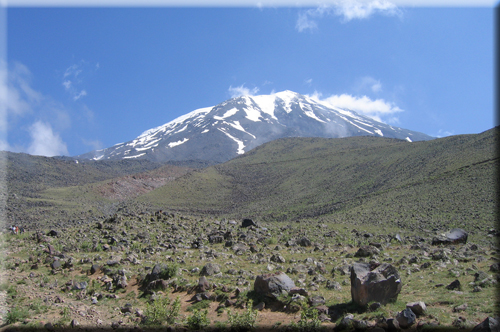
(80, 79)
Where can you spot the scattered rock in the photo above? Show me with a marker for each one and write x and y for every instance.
(382, 284)
(455, 285)
(273, 284)
(316, 300)
(418, 308)
(94, 268)
(460, 308)
(210, 269)
(248, 223)
(406, 318)
(490, 324)
(304, 242)
(80, 285)
(454, 236)
(203, 285)
(367, 251)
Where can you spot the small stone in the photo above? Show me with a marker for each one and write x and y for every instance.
(454, 285)
(460, 308)
(418, 308)
(260, 306)
(406, 318)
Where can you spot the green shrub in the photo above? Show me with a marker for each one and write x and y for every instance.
(159, 311)
(16, 314)
(244, 321)
(308, 322)
(170, 271)
(205, 304)
(198, 320)
(272, 240)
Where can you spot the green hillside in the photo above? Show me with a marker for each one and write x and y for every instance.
(355, 180)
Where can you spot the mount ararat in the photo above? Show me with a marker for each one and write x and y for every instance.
(235, 126)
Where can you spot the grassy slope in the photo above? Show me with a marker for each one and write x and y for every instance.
(365, 178)
(42, 189)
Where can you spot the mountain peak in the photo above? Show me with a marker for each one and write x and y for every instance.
(237, 125)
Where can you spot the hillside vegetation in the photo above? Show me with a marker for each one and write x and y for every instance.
(356, 179)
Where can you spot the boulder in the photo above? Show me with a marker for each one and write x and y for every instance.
(406, 318)
(94, 268)
(80, 285)
(454, 236)
(418, 308)
(210, 269)
(304, 242)
(454, 285)
(248, 223)
(381, 284)
(367, 251)
(490, 324)
(203, 285)
(56, 264)
(273, 284)
(316, 300)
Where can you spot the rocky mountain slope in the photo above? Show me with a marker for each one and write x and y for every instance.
(365, 180)
(361, 179)
(235, 126)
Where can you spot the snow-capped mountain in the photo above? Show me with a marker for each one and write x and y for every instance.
(237, 125)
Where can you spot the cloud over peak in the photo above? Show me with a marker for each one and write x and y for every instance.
(347, 10)
(242, 91)
(378, 109)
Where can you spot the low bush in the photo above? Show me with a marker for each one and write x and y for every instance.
(198, 320)
(161, 311)
(244, 321)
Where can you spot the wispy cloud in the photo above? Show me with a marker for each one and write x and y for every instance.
(44, 142)
(378, 109)
(242, 90)
(73, 78)
(347, 10)
(371, 84)
(443, 133)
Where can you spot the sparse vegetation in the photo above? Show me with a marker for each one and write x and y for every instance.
(105, 261)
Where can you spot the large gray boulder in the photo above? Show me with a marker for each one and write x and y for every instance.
(490, 324)
(454, 236)
(210, 269)
(381, 284)
(273, 284)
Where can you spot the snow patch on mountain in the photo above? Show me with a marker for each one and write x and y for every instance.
(266, 103)
(232, 111)
(172, 144)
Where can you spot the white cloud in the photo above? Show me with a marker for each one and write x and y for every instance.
(242, 91)
(309, 81)
(354, 9)
(378, 109)
(81, 94)
(67, 85)
(75, 75)
(370, 83)
(305, 21)
(44, 142)
(347, 10)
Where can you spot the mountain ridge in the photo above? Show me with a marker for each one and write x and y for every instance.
(237, 125)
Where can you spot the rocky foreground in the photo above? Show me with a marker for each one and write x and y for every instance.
(145, 271)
